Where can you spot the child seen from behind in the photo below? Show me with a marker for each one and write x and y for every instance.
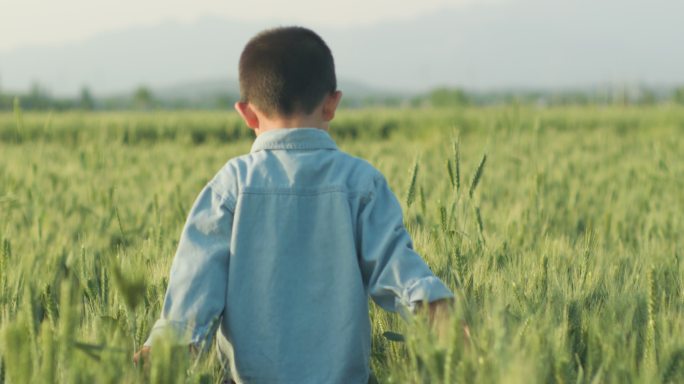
(283, 247)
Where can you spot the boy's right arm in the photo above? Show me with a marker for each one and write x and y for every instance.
(195, 297)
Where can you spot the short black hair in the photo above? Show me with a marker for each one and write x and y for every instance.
(286, 70)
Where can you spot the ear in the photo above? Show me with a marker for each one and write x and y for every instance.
(330, 105)
(248, 114)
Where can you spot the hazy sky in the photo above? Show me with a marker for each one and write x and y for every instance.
(114, 46)
(24, 22)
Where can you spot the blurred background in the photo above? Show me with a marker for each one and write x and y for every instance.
(171, 54)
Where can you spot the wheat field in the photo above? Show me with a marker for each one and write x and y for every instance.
(559, 230)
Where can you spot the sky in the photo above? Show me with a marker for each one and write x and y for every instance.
(31, 22)
(389, 45)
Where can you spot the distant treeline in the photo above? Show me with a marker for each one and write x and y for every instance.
(143, 98)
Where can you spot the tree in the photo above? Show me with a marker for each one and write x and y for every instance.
(447, 97)
(225, 101)
(678, 96)
(143, 98)
(38, 97)
(86, 101)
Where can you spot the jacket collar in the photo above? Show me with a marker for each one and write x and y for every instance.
(294, 138)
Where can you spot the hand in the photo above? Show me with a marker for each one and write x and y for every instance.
(438, 311)
(143, 354)
(466, 333)
(439, 317)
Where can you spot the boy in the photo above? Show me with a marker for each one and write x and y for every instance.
(284, 245)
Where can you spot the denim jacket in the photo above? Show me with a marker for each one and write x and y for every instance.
(281, 251)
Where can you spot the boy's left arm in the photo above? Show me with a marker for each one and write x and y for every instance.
(195, 297)
(396, 276)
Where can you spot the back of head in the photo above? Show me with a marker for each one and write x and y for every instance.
(286, 71)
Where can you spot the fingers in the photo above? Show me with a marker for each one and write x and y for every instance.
(142, 354)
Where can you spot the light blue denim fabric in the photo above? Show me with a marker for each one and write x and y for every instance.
(281, 250)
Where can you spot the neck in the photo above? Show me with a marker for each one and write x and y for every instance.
(304, 121)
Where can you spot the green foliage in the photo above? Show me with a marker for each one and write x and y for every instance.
(678, 96)
(580, 278)
(448, 97)
(457, 166)
(477, 175)
(86, 100)
(411, 195)
(143, 98)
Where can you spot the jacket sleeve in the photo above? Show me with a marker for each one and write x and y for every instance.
(395, 275)
(196, 293)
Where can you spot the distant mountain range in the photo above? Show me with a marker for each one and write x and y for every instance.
(515, 44)
(194, 91)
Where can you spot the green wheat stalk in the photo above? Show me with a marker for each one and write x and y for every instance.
(450, 172)
(411, 195)
(480, 225)
(651, 311)
(477, 176)
(457, 164)
(443, 218)
(48, 361)
(4, 258)
(674, 370)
